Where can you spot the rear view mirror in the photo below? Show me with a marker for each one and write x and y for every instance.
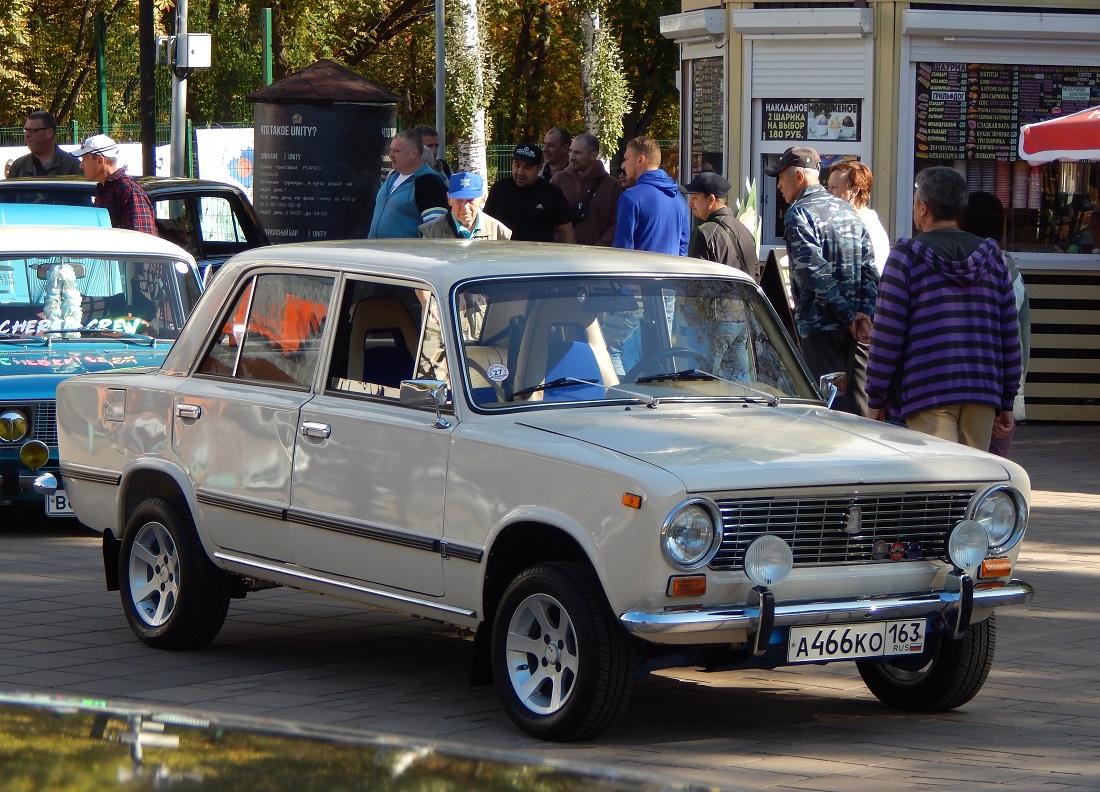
(44, 269)
(426, 393)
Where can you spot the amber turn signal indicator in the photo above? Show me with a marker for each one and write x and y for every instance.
(995, 567)
(687, 586)
(632, 501)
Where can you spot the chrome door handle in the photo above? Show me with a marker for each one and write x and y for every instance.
(192, 411)
(314, 429)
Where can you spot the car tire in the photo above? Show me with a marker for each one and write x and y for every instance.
(555, 619)
(948, 680)
(173, 596)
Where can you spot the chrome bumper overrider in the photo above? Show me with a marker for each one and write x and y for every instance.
(702, 623)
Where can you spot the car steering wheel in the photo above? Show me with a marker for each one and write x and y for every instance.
(657, 357)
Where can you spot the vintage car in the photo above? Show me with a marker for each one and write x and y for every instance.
(601, 462)
(210, 220)
(72, 300)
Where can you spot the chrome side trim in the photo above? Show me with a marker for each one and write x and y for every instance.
(804, 613)
(259, 508)
(354, 528)
(94, 475)
(328, 581)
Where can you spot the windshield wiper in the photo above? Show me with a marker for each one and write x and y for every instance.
(22, 338)
(699, 374)
(114, 335)
(560, 382)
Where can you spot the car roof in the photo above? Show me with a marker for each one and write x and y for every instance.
(46, 240)
(80, 185)
(445, 262)
(52, 214)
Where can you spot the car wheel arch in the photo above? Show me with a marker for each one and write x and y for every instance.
(521, 545)
(149, 480)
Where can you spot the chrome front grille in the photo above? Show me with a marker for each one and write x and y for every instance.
(44, 422)
(815, 528)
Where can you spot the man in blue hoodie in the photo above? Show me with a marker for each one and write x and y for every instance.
(653, 215)
(412, 195)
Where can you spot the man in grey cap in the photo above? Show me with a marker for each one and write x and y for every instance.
(45, 158)
(833, 275)
(720, 236)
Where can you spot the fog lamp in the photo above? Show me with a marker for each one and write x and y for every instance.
(768, 560)
(967, 545)
(34, 454)
(13, 426)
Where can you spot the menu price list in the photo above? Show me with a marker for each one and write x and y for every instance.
(974, 111)
(707, 100)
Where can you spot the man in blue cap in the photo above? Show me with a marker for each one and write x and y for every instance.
(464, 218)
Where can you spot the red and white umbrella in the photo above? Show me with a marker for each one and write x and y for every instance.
(1067, 139)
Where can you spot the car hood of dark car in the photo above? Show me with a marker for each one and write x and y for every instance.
(756, 446)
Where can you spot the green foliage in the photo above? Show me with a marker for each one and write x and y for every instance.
(610, 99)
(471, 70)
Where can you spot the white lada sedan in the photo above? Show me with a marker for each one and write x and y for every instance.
(603, 462)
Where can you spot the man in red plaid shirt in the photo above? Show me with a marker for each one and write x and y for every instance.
(122, 197)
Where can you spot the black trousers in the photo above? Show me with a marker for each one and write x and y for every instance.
(836, 350)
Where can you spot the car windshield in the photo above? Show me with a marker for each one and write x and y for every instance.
(98, 294)
(599, 338)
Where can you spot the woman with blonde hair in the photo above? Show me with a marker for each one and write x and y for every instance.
(851, 181)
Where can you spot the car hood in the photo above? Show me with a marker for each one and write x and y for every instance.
(754, 446)
(39, 369)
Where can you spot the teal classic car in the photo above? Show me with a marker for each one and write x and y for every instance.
(76, 300)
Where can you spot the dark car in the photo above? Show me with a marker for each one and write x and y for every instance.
(211, 220)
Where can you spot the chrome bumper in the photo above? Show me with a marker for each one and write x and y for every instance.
(706, 625)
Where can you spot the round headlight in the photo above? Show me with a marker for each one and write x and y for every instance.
(1001, 511)
(13, 426)
(690, 536)
(967, 544)
(34, 454)
(768, 560)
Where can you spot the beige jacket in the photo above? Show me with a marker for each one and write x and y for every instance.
(444, 228)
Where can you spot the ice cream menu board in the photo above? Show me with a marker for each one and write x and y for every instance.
(975, 110)
(811, 119)
(707, 104)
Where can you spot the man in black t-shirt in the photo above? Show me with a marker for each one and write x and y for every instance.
(533, 208)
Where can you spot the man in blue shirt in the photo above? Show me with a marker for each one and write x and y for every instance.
(652, 214)
(412, 195)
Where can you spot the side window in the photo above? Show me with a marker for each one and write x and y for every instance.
(176, 223)
(218, 222)
(273, 332)
(379, 339)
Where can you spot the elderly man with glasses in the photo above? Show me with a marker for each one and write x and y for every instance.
(45, 158)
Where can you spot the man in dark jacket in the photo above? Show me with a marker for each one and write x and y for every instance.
(593, 196)
(720, 236)
(45, 158)
(653, 215)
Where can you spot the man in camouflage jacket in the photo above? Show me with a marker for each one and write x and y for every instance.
(833, 275)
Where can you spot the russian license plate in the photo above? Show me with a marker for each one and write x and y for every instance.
(57, 505)
(853, 641)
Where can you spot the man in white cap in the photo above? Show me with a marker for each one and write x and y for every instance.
(464, 219)
(122, 197)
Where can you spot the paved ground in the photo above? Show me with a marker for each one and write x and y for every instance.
(283, 654)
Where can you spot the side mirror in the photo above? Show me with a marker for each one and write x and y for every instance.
(426, 393)
(829, 385)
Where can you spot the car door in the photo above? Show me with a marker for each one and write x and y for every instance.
(236, 416)
(369, 474)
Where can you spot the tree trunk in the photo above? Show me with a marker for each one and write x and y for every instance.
(470, 145)
(590, 24)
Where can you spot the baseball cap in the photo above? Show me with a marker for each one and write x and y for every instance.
(795, 157)
(466, 184)
(97, 144)
(709, 183)
(529, 153)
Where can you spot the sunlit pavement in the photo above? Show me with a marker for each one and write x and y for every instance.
(288, 655)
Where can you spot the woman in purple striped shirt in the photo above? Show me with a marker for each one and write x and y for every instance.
(945, 351)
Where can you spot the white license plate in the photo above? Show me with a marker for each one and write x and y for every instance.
(852, 641)
(57, 505)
